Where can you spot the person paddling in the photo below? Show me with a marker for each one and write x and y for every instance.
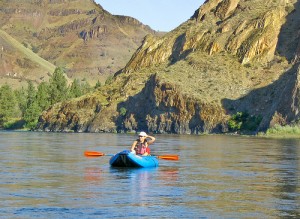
(141, 145)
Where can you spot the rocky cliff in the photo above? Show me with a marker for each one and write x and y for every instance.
(78, 35)
(231, 56)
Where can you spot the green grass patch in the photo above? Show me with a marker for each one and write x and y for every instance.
(284, 131)
(27, 52)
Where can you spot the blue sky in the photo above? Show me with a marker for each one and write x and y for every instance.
(160, 15)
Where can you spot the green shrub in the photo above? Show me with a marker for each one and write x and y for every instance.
(31, 125)
(122, 111)
(242, 121)
(283, 130)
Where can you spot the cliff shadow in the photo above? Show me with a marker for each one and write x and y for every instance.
(177, 51)
(266, 101)
(134, 111)
(288, 39)
(278, 96)
(160, 108)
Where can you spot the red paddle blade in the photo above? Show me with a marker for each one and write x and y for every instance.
(93, 154)
(168, 157)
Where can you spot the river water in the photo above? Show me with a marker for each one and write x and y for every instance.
(46, 175)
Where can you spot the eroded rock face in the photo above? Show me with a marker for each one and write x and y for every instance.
(160, 107)
(241, 32)
(225, 8)
(72, 116)
(246, 30)
(286, 109)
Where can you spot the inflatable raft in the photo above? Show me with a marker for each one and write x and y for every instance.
(128, 159)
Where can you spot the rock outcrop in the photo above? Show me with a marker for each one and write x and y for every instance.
(160, 107)
(67, 34)
(73, 116)
(231, 56)
(250, 33)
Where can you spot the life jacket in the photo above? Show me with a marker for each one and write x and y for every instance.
(141, 147)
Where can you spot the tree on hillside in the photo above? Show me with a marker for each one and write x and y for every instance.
(33, 110)
(21, 97)
(8, 104)
(31, 93)
(58, 86)
(75, 89)
(27, 104)
(42, 96)
(31, 115)
(78, 89)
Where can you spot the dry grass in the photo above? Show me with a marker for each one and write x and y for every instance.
(212, 78)
(27, 52)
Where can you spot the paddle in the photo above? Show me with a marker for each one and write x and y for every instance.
(99, 154)
(96, 154)
(167, 156)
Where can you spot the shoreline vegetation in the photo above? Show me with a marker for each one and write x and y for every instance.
(240, 124)
(278, 131)
(21, 108)
(287, 131)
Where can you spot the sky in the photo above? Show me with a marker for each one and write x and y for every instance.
(160, 15)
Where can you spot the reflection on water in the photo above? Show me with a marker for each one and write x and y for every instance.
(141, 182)
(46, 175)
(93, 174)
(288, 179)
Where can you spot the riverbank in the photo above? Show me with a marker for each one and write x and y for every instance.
(288, 131)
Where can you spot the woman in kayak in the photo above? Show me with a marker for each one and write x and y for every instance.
(141, 145)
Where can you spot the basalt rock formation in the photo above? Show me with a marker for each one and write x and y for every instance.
(231, 56)
(78, 35)
(237, 27)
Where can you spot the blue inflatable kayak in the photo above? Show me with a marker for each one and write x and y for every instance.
(128, 159)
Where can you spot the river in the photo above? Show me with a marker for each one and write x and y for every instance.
(46, 175)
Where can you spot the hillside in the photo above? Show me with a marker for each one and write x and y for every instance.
(232, 56)
(19, 63)
(78, 35)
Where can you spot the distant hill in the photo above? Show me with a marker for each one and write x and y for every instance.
(78, 35)
(234, 65)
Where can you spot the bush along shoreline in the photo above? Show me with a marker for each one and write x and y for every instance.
(20, 109)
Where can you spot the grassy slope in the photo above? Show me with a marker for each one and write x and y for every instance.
(27, 52)
(209, 78)
(221, 75)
